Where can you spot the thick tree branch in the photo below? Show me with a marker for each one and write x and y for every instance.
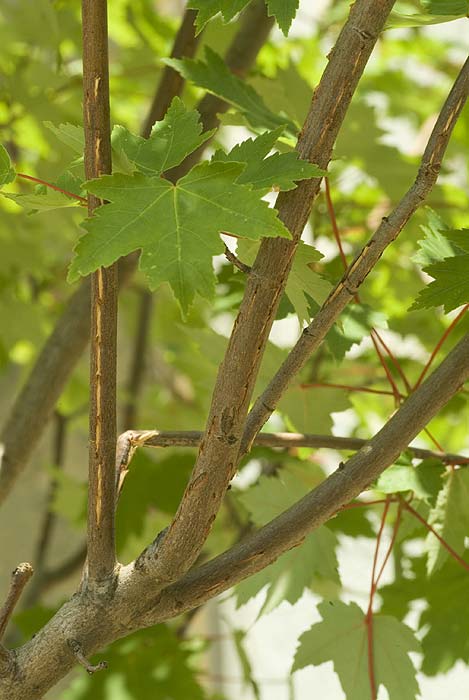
(291, 527)
(103, 360)
(386, 233)
(218, 454)
(63, 349)
(138, 600)
(193, 438)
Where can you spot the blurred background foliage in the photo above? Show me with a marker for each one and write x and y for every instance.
(375, 160)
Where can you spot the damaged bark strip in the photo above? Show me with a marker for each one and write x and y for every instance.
(101, 493)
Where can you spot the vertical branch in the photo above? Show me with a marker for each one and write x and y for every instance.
(101, 497)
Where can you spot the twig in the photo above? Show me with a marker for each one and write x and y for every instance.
(76, 650)
(103, 362)
(234, 260)
(193, 438)
(19, 578)
(346, 289)
(172, 82)
(453, 323)
(218, 453)
(137, 366)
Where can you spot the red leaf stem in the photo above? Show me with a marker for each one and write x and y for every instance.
(83, 200)
(365, 389)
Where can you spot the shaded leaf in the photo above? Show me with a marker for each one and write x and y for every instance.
(424, 480)
(214, 75)
(284, 12)
(450, 287)
(70, 134)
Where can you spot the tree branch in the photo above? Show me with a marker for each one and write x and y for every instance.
(345, 290)
(291, 527)
(62, 350)
(172, 82)
(103, 360)
(193, 438)
(218, 453)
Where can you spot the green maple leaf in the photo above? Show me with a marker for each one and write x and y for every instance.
(308, 410)
(284, 12)
(215, 76)
(450, 286)
(175, 226)
(341, 637)
(280, 171)
(171, 140)
(7, 173)
(206, 9)
(450, 519)
(300, 567)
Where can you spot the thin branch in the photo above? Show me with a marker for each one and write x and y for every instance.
(76, 649)
(103, 360)
(218, 453)
(234, 260)
(291, 527)
(172, 82)
(19, 578)
(137, 367)
(35, 403)
(345, 290)
(193, 438)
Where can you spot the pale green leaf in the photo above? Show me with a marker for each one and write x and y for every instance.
(341, 637)
(424, 480)
(171, 140)
(175, 226)
(69, 134)
(308, 410)
(435, 246)
(7, 173)
(214, 75)
(42, 202)
(450, 519)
